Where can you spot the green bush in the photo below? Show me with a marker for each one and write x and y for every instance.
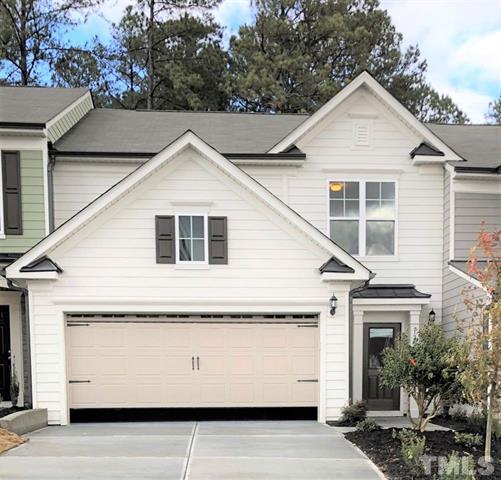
(368, 425)
(352, 414)
(470, 440)
(412, 450)
(457, 468)
(429, 370)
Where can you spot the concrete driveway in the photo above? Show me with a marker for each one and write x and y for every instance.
(188, 451)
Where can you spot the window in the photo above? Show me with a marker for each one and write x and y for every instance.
(362, 216)
(191, 238)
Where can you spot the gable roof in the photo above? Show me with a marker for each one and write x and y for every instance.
(367, 80)
(35, 105)
(479, 145)
(427, 150)
(43, 264)
(187, 140)
(132, 132)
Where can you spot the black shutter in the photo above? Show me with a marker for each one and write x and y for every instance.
(165, 239)
(218, 240)
(11, 168)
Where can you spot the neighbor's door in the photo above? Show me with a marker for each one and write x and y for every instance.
(378, 336)
(4, 353)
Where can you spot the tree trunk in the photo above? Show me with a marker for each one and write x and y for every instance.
(23, 50)
(150, 70)
(488, 425)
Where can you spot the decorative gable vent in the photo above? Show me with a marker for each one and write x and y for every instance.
(362, 132)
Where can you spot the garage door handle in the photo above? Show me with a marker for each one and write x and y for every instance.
(193, 363)
(310, 380)
(79, 381)
(198, 363)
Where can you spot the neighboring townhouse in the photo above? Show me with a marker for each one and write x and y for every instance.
(30, 118)
(237, 260)
(472, 201)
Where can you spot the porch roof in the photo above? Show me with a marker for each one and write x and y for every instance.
(390, 291)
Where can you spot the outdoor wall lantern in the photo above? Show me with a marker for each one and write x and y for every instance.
(333, 304)
(431, 316)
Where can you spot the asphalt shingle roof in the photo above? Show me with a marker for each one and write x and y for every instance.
(479, 145)
(128, 131)
(35, 104)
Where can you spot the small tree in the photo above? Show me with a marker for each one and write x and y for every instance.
(483, 329)
(428, 369)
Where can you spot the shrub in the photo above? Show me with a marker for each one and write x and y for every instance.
(457, 468)
(412, 450)
(352, 414)
(429, 370)
(459, 415)
(368, 425)
(470, 440)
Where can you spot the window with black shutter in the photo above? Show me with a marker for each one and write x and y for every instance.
(218, 240)
(165, 227)
(11, 183)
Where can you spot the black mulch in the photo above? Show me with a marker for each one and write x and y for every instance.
(384, 451)
(8, 410)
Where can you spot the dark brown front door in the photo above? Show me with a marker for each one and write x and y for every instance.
(4, 353)
(378, 336)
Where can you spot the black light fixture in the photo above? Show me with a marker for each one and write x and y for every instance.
(431, 316)
(333, 304)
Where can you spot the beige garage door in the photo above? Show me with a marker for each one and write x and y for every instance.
(193, 362)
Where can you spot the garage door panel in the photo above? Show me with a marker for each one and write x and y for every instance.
(140, 364)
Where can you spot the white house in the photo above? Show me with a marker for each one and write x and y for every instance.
(225, 260)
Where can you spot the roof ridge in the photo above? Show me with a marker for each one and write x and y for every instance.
(229, 112)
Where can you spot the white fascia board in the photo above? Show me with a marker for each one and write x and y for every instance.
(269, 163)
(467, 277)
(20, 132)
(335, 277)
(187, 140)
(427, 160)
(70, 107)
(391, 301)
(37, 275)
(366, 79)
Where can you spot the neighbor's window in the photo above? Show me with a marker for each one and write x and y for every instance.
(362, 216)
(192, 238)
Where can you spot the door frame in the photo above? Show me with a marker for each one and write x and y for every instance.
(7, 343)
(397, 327)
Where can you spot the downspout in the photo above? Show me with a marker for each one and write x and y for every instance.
(25, 331)
(50, 187)
(350, 364)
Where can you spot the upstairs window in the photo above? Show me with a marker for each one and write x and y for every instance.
(362, 216)
(192, 238)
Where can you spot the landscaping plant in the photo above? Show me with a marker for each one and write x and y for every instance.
(457, 468)
(412, 450)
(352, 414)
(368, 425)
(471, 440)
(429, 369)
(483, 330)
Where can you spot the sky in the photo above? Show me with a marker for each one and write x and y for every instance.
(460, 39)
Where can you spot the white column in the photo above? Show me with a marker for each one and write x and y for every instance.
(414, 315)
(358, 348)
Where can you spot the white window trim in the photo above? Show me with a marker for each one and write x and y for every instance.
(206, 239)
(362, 217)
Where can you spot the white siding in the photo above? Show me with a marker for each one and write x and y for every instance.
(330, 155)
(77, 183)
(110, 266)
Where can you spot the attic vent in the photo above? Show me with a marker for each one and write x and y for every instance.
(362, 132)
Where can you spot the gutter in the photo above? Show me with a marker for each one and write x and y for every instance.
(22, 126)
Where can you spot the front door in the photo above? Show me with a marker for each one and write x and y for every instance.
(378, 336)
(4, 353)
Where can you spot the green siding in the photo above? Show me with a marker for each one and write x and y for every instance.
(32, 197)
(59, 128)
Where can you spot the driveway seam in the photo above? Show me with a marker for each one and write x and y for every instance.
(190, 448)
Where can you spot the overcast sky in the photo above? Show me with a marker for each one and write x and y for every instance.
(461, 40)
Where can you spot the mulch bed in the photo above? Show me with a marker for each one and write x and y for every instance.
(8, 410)
(384, 451)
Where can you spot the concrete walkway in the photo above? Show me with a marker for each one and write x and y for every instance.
(188, 451)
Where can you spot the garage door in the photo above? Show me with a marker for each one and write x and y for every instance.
(192, 362)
